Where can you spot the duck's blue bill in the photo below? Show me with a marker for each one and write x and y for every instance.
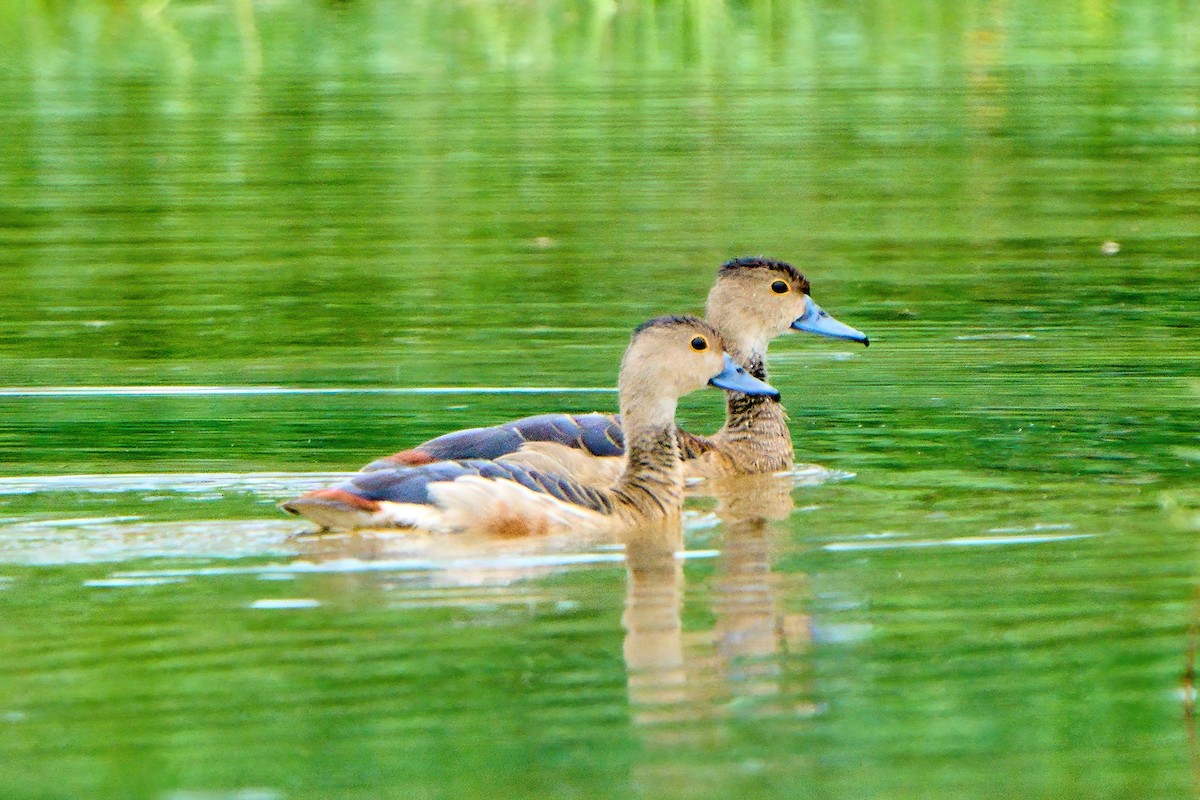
(814, 320)
(736, 379)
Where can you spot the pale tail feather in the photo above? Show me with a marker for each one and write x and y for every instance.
(336, 515)
(331, 515)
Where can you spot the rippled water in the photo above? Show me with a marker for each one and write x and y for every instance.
(245, 248)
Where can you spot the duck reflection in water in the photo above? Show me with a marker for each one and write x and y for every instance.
(739, 667)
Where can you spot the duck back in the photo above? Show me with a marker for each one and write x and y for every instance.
(597, 435)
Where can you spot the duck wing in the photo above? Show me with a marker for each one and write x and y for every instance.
(420, 497)
(598, 435)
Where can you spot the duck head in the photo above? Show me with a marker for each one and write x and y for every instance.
(757, 299)
(669, 357)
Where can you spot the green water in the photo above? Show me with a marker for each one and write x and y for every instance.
(995, 598)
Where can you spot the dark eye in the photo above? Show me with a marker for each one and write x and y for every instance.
(699, 343)
(779, 287)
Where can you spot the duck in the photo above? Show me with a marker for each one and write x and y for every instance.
(753, 301)
(667, 357)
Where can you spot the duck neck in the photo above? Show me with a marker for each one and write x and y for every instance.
(755, 434)
(651, 482)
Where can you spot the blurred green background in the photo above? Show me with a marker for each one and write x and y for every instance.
(379, 194)
(475, 193)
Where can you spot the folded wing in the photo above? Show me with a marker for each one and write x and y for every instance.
(515, 497)
(597, 435)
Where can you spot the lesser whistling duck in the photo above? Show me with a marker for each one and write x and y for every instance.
(753, 301)
(667, 358)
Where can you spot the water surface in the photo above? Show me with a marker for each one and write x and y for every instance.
(241, 243)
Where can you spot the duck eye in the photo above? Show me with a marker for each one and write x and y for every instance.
(779, 287)
(699, 343)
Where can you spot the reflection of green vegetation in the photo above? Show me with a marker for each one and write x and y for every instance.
(945, 665)
(429, 193)
(490, 193)
(812, 40)
(185, 686)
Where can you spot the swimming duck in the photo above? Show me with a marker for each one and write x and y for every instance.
(753, 301)
(667, 358)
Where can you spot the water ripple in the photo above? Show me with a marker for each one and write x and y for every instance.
(960, 541)
(267, 482)
(212, 391)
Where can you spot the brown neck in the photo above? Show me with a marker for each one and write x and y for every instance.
(652, 481)
(756, 435)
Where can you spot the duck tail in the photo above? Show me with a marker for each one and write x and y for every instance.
(334, 509)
